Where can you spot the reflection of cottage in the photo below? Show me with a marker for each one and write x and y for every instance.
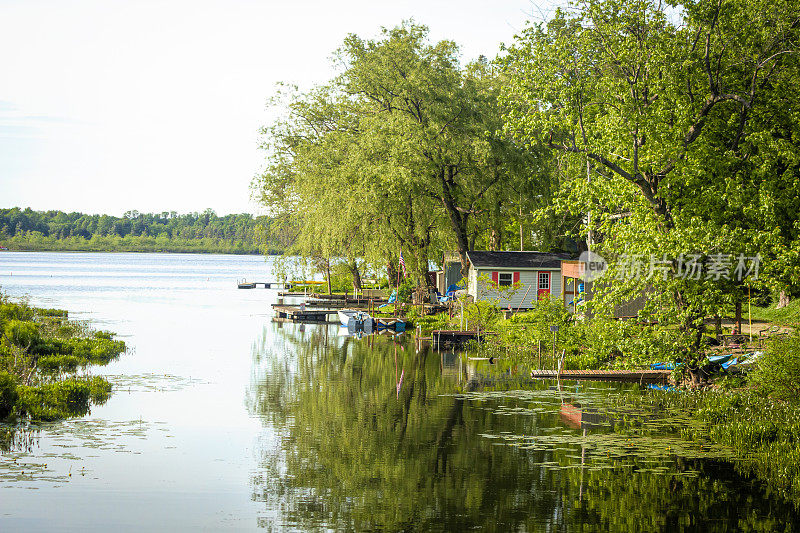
(521, 277)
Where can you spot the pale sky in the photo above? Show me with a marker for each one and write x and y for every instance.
(108, 106)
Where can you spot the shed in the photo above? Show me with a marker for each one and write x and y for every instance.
(535, 274)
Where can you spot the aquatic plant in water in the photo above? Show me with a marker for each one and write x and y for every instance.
(41, 353)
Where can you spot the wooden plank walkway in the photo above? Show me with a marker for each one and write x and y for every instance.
(298, 314)
(646, 376)
(265, 284)
(441, 337)
(316, 300)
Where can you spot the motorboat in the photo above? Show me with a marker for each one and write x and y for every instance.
(346, 314)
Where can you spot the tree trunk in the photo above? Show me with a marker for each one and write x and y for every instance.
(353, 266)
(737, 320)
(458, 220)
(718, 325)
(328, 275)
(783, 299)
(391, 271)
(495, 240)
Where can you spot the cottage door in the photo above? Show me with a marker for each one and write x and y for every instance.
(544, 286)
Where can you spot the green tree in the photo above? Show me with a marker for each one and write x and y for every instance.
(656, 114)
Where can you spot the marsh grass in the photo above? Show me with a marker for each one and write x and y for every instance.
(42, 353)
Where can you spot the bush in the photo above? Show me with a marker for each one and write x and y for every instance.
(778, 370)
(54, 401)
(8, 394)
(404, 291)
(20, 333)
(482, 315)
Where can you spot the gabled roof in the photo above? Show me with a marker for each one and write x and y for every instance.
(517, 259)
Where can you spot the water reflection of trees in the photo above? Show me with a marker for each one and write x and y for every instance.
(356, 452)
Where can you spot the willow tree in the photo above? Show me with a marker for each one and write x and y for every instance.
(440, 122)
(653, 110)
(401, 151)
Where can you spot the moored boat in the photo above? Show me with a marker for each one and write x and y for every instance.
(346, 314)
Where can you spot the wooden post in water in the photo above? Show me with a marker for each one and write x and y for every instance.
(749, 313)
(540, 353)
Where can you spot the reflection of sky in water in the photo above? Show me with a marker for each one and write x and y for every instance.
(221, 419)
(174, 446)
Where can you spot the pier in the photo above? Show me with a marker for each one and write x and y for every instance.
(336, 300)
(282, 285)
(641, 376)
(294, 313)
(440, 337)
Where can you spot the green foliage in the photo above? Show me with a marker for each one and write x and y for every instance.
(429, 323)
(586, 344)
(59, 314)
(765, 434)
(405, 290)
(778, 371)
(482, 315)
(53, 401)
(99, 389)
(8, 394)
(672, 148)
(789, 315)
(401, 151)
(21, 333)
(40, 353)
(14, 311)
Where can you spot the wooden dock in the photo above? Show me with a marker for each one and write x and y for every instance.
(440, 337)
(265, 284)
(642, 376)
(296, 313)
(355, 303)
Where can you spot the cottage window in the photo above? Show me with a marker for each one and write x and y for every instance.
(504, 279)
(544, 280)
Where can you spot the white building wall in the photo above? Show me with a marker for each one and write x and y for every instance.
(472, 287)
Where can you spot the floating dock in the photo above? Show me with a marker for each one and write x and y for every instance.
(440, 337)
(642, 376)
(340, 303)
(294, 313)
(265, 284)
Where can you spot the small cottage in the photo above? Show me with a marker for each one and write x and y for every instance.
(515, 279)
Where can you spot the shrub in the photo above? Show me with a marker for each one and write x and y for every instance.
(778, 370)
(482, 315)
(8, 394)
(54, 401)
(21, 333)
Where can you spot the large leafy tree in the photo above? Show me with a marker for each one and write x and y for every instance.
(401, 150)
(665, 118)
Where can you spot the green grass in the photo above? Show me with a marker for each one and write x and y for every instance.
(788, 316)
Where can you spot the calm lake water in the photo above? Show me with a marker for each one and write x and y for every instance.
(222, 419)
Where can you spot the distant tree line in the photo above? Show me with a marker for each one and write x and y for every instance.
(26, 229)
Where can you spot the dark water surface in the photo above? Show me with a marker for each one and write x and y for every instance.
(221, 419)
